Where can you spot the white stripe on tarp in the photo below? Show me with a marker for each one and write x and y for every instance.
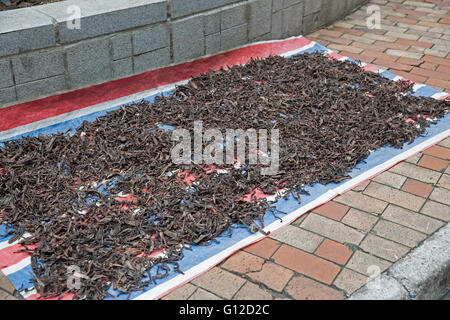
(28, 293)
(16, 267)
(6, 244)
(439, 95)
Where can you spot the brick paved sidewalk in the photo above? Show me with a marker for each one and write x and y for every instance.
(335, 249)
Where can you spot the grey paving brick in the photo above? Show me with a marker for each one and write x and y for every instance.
(331, 229)
(398, 233)
(122, 68)
(414, 159)
(104, 16)
(298, 238)
(188, 39)
(181, 293)
(416, 172)
(150, 38)
(359, 219)
(234, 16)
(40, 65)
(42, 87)
(436, 210)
(362, 202)
(441, 195)
(383, 248)
(212, 43)
(365, 263)
(411, 219)
(350, 281)
(121, 46)
(8, 95)
(201, 294)
(180, 8)
(220, 281)
(260, 18)
(23, 30)
(88, 62)
(234, 37)
(391, 195)
(6, 79)
(292, 20)
(152, 60)
(446, 142)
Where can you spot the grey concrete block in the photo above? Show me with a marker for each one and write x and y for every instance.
(6, 79)
(277, 5)
(150, 38)
(260, 18)
(8, 95)
(42, 87)
(122, 68)
(234, 16)
(290, 3)
(277, 24)
(311, 23)
(264, 37)
(121, 46)
(180, 8)
(40, 65)
(292, 20)
(425, 272)
(88, 62)
(188, 39)
(234, 37)
(333, 10)
(211, 22)
(22, 30)
(312, 6)
(152, 60)
(212, 43)
(103, 16)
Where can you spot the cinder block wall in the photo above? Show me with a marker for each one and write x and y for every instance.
(41, 55)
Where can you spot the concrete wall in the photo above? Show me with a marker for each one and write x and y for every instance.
(41, 55)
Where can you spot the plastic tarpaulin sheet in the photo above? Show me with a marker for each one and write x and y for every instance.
(69, 110)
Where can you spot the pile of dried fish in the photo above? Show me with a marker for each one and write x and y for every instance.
(108, 197)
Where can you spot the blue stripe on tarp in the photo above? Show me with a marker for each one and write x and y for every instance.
(425, 91)
(21, 279)
(198, 253)
(3, 231)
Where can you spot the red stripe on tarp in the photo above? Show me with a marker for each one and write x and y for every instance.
(9, 256)
(28, 112)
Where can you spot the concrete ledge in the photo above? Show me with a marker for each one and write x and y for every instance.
(42, 54)
(424, 274)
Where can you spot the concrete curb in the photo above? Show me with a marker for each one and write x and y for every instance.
(423, 274)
